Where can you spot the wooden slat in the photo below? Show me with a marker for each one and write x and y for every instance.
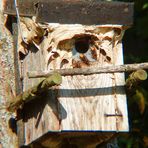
(120, 98)
(85, 12)
(72, 12)
(18, 82)
(39, 116)
(86, 100)
(85, 139)
(26, 7)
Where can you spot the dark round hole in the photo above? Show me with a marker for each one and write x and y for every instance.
(117, 31)
(21, 56)
(82, 44)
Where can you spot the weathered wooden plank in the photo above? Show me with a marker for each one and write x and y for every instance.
(43, 113)
(77, 139)
(85, 12)
(120, 98)
(7, 84)
(73, 12)
(26, 8)
(87, 99)
(18, 82)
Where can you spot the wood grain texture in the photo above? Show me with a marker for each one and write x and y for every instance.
(76, 12)
(88, 98)
(7, 84)
(40, 116)
(120, 98)
(77, 139)
(81, 102)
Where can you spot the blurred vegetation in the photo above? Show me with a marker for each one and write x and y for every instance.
(135, 51)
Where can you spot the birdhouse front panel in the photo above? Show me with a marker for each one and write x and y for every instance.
(95, 102)
(89, 102)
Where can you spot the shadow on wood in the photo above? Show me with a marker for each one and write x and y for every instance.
(35, 108)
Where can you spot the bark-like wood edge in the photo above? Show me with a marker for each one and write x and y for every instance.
(134, 78)
(90, 70)
(32, 93)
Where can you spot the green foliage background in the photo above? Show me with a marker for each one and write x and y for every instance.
(135, 51)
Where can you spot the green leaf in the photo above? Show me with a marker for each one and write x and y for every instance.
(145, 6)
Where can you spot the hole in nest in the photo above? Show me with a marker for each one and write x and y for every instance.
(21, 56)
(117, 31)
(108, 58)
(82, 44)
(9, 21)
(102, 51)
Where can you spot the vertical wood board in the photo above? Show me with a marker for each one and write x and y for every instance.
(40, 115)
(87, 99)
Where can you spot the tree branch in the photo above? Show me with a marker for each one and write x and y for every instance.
(32, 93)
(134, 79)
(90, 70)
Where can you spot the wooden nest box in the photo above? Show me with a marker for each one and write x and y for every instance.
(87, 108)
